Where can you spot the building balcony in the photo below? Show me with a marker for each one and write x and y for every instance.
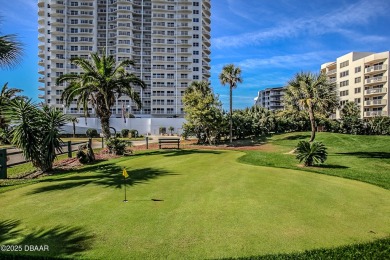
(332, 80)
(57, 4)
(375, 113)
(41, 96)
(374, 80)
(41, 79)
(375, 102)
(331, 72)
(376, 68)
(375, 91)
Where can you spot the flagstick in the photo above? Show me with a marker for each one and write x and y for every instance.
(125, 200)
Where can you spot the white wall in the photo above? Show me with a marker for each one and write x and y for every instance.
(142, 125)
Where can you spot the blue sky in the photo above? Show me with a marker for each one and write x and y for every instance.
(269, 40)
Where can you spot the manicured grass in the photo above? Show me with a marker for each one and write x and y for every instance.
(379, 249)
(363, 158)
(191, 204)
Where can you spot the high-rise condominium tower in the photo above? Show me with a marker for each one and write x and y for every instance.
(168, 39)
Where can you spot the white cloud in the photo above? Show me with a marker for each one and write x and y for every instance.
(355, 14)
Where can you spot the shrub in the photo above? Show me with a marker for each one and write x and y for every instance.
(91, 132)
(85, 154)
(311, 154)
(116, 145)
(133, 133)
(36, 131)
(125, 133)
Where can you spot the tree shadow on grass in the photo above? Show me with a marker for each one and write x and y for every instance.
(296, 137)
(177, 152)
(107, 175)
(378, 155)
(7, 230)
(61, 241)
(332, 166)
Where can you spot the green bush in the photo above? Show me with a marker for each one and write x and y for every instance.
(125, 133)
(91, 133)
(311, 154)
(116, 145)
(134, 133)
(85, 154)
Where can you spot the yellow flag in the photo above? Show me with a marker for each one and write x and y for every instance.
(124, 173)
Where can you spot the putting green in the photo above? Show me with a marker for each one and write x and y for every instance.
(206, 205)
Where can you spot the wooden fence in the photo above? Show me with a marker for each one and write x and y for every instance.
(8, 159)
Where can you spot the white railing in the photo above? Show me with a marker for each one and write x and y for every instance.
(376, 68)
(375, 102)
(375, 91)
(375, 79)
(375, 113)
(332, 71)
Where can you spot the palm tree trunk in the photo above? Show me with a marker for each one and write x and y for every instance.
(312, 124)
(105, 122)
(231, 114)
(74, 130)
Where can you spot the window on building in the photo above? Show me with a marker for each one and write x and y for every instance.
(358, 69)
(358, 79)
(358, 90)
(344, 83)
(344, 64)
(344, 73)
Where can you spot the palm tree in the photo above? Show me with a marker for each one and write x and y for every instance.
(311, 153)
(10, 50)
(36, 131)
(74, 121)
(230, 75)
(100, 83)
(6, 95)
(312, 93)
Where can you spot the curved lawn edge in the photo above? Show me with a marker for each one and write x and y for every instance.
(224, 207)
(378, 249)
(324, 169)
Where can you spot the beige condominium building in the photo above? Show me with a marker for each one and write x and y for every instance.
(270, 98)
(362, 77)
(168, 39)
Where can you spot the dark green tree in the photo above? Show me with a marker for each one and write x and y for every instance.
(203, 112)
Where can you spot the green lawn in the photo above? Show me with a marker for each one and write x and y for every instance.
(363, 158)
(206, 205)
